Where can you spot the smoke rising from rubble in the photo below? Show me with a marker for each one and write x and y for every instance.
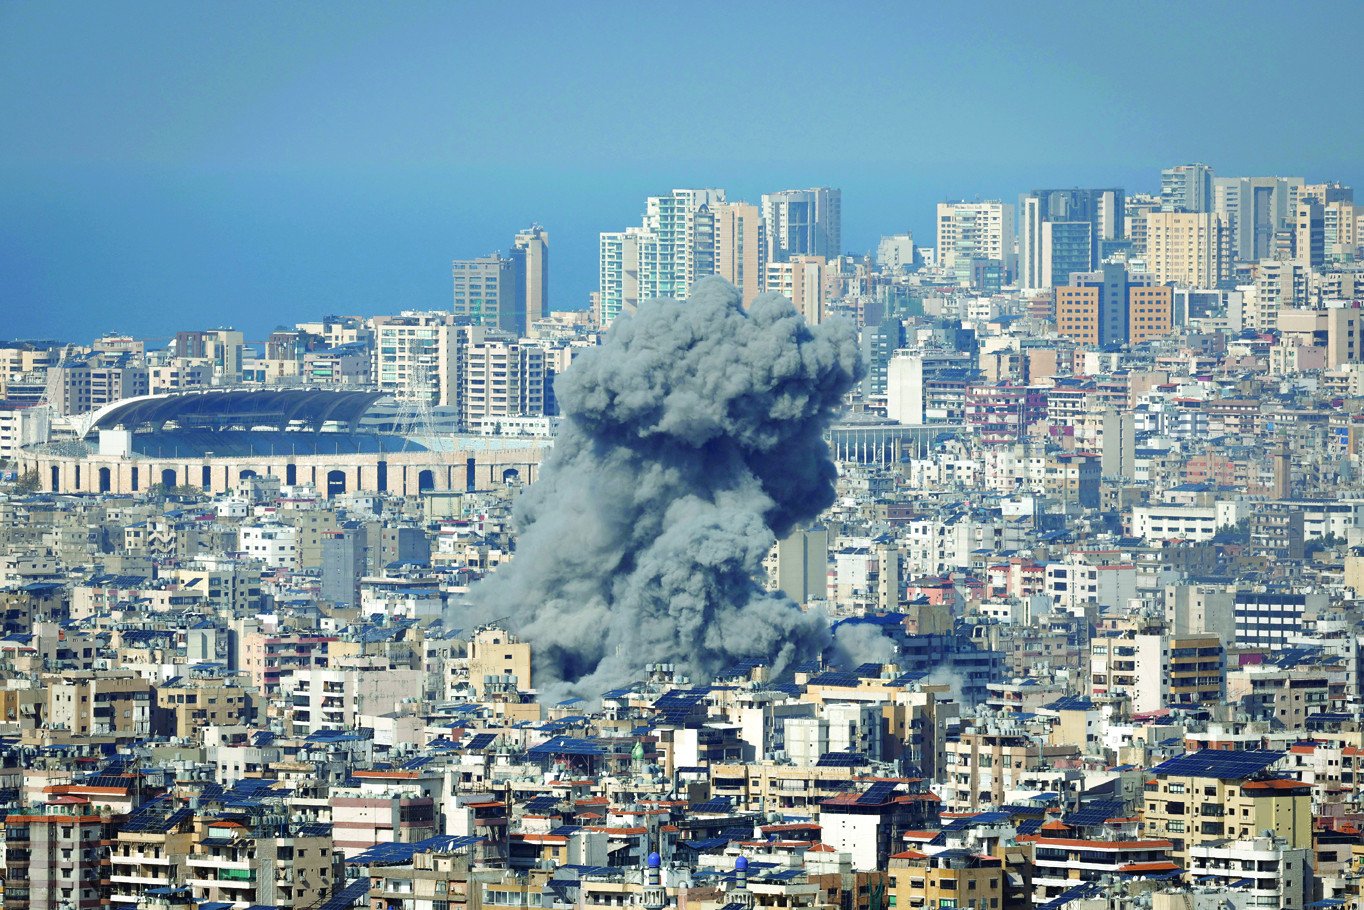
(857, 643)
(692, 439)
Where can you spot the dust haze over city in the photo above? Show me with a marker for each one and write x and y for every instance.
(721, 457)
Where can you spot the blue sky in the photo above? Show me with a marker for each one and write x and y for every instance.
(181, 165)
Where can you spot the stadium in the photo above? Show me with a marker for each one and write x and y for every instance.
(337, 441)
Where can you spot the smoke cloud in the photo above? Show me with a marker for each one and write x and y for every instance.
(692, 439)
(859, 643)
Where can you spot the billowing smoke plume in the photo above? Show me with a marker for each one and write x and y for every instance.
(859, 643)
(691, 438)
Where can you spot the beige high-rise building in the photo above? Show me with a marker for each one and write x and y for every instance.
(975, 230)
(739, 255)
(1255, 209)
(417, 357)
(496, 655)
(1279, 285)
(502, 379)
(1341, 230)
(1187, 248)
(802, 566)
(21, 358)
(801, 280)
(485, 292)
(1342, 328)
(78, 385)
(1138, 206)
(530, 258)
(1327, 192)
(1309, 233)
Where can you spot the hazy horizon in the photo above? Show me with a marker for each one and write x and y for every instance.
(181, 166)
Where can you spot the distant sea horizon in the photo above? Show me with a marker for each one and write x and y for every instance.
(151, 252)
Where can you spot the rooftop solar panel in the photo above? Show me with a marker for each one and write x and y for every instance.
(706, 843)
(156, 819)
(680, 698)
(542, 804)
(481, 741)
(840, 760)
(1095, 813)
(567, 745)
(835, 678)
(1219, 764)
(108, 780)
(595, 871)
(878, 793)
(782, 875)
(347, 897)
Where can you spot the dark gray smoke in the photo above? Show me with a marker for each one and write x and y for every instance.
(691, 438)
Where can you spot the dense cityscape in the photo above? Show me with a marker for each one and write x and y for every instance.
(1017, 566)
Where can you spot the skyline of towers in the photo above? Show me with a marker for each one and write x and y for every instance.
(803, 223)
(1186, 188)
(1093, 217)
(507, 292)
(1039, 244)
(691, 233)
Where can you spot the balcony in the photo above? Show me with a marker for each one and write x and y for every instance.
(215, 862)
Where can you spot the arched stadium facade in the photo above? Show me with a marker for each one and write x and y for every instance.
(337, 441)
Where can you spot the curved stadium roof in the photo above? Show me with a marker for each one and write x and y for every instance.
(239, 408)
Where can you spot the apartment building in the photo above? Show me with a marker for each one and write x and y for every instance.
(1265, 869)
(418, 357)
(1211, 795)
(1187, 248)
(290, 868)
(800, 279)
(53, 857)
(503, 379)
(945, 878)
(970, 231)
(1061, 863)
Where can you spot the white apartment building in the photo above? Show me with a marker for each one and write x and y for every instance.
(1074, 583)
(663, 257)
(975, 230)
(22, 426)
(417, 357)
(274, 544)
(1275, 874)
(806, 739)
(333, 699)
(502, 379)
(854, 727)
(1174, 522)
(1279, 285)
